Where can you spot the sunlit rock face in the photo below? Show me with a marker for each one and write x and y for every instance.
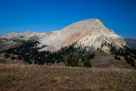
(90, 32)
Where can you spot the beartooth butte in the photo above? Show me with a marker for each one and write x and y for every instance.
(90, 32)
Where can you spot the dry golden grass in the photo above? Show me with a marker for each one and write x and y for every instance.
(15, 77)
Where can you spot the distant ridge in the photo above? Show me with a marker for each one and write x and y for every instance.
(131, 42)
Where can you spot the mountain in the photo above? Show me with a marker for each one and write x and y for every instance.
(90, 32)
(86, 43)
(131, 42)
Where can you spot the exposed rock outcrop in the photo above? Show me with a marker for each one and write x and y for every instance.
(90, 32)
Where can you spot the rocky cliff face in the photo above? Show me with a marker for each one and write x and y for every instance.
(90, 32)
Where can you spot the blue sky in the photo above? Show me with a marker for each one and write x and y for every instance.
(48, 15)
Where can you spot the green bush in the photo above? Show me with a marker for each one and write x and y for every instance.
(117, 57)
(86, 63)
(2, 61)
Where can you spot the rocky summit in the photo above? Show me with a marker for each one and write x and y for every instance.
(90, 32)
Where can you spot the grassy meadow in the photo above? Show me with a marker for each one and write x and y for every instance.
(21, 77)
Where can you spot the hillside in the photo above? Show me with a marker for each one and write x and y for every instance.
(73, 56)
(84, 56)
(40, 78)
(86, 43)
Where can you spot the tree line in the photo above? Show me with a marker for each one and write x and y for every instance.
(126, 52)
(69, 55)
